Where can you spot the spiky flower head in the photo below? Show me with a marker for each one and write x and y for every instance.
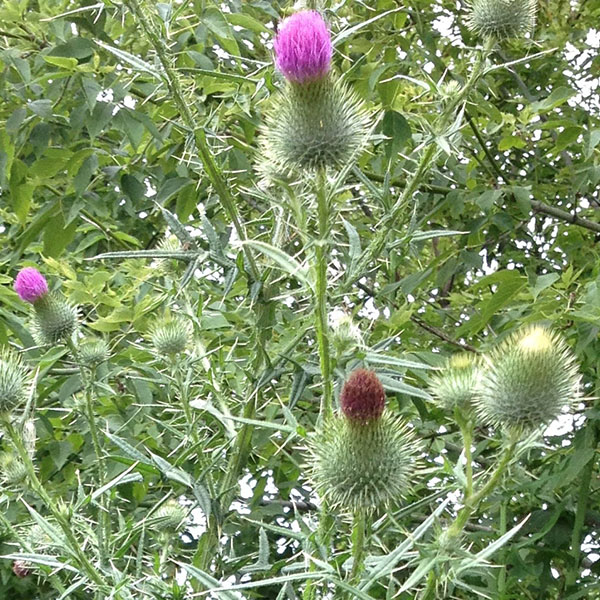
(55, 319)
(454, 387)
(171, 336)
(502, 19)
(530, 378)
(312, 126)
(303, 47)
(30, 284)
(365, 466)
(363, 398)
(13, 381)
(93, 352)
(12, 469)
(170, 517)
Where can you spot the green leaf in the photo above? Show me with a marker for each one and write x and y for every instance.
(285, 262)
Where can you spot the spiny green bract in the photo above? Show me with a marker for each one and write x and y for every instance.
(93, 351)
(55, 319)
(529, 379)
(171, 336)
(13, 381)
(170, 517)
(363, 466)
(502, 19)
(12, 469)
(454, 386)
(312, 126)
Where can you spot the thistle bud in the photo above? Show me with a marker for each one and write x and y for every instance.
(363, 467)
(345, 334)
(364, 457)
(529, 379)
(13, 381)
(93, 352)
(454, 387)
(22, 568)
(315, 122)
(170, 337)
(502, 19)
(363, 398)
(12, 469)
(55, 319)
(170, 517)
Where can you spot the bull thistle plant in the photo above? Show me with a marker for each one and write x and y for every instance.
(196, 414)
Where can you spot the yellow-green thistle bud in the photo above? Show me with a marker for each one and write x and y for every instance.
(170, 337)
(170, 517)
(530, 378)
(55, 319)
(364, 457)
(314, 125)
(13, 381)
(93, 352)
(454, 387)
(502, 19)
(12, 469)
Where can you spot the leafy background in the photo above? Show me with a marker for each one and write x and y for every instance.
(93, 147)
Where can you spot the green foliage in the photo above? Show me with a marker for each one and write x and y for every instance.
(130, 134)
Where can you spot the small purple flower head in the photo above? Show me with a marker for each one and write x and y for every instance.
(31, 285)
(303, 47)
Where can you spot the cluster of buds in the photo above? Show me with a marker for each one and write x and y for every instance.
(55, 318)
(363, 458)
(316, 122)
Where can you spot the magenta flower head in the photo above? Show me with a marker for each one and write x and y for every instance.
(363, 397)
(31, 285)
(303, 47)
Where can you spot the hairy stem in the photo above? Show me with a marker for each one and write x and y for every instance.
(358, 547)
(321, 260)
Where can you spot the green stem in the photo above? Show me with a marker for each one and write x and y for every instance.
(321, 260)
(358, 547)
(426, 162)
(501, 585)
(466, 429)
(213, 172)
(430, 589)
(104, 531)
(182, 393)
(62, 521)
(473, 501)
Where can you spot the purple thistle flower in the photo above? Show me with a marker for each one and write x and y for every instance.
(303, 47)
(31, 285)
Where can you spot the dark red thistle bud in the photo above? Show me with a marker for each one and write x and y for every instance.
(363, 397)
(21, 568)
